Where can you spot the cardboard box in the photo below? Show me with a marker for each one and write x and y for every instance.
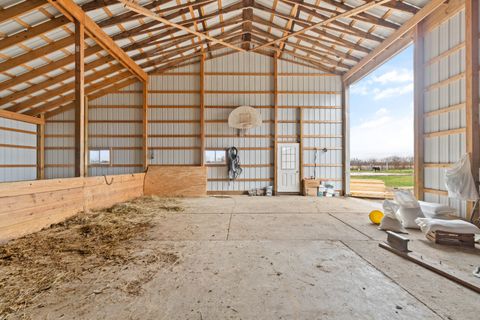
(311, 183)
(310, 192)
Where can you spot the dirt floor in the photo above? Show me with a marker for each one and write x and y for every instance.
(229, 258)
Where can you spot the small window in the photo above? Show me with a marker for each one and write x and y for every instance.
(101, 156)
(288, 158)
(215, 157)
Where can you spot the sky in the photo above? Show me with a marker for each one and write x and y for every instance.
(381, 110)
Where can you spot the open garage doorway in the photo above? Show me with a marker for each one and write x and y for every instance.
(382, 129)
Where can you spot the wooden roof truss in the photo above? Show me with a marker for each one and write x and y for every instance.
(37, 54)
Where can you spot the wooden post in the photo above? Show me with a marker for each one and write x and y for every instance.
(346, 139)
(145, 156)
(300, 109)
(419, 110)
(275, 123)
(202, 110)
(472, 83)
(41, 149)
(79, 99)
(86, 157)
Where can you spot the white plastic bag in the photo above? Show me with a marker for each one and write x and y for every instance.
(457, 226)
(409, 208)
(459, 180)
(406, 199)
(436, 210)
(389, 221)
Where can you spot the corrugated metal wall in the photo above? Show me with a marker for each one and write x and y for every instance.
(247, 79)
(174, 117)
(18, 154)
(306, 97)
(313, 100)
(60, 145)
(115, 123)
(445, 118)
(232, 81)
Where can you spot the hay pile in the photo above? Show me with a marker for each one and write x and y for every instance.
(32, 265)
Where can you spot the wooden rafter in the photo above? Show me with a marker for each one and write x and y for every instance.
(112, 86)
(33, 32)
(334, 26)
(48, 83)
(363, 16)
(90, 66)
(141, 10)
(20, 9)
(325, 42)
(29, 103)
(346, 14)
(74, 12)
(45, 69)
(50, 105)
(407, 27)
(322, 35)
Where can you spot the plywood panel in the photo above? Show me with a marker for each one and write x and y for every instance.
(176, 181)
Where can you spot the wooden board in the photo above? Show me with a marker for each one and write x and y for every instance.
(466, 280)
(374, 189)
(175, 181)
(26, 207)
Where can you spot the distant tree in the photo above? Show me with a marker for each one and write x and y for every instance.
(392, 162)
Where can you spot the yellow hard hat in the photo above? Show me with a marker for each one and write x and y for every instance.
(376, 216)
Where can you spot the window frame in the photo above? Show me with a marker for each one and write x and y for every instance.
(99, 163)
(216, 153)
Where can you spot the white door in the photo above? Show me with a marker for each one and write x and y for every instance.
(288, 167)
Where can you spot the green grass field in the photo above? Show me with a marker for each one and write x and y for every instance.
(390, 181)
(405, 171)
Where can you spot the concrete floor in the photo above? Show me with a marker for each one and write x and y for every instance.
(271, 258)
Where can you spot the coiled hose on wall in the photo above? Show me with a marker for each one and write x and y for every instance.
(233, 161)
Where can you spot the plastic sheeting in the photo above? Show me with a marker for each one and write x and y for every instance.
(459, 180)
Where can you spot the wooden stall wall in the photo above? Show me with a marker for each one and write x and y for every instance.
(60, 145)
(18, 145)
(174, 117)
(115, 124)
(26, 207)
(310, 112)
(444, 104)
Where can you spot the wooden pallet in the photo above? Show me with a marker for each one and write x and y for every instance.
(452, 239)
(373, 189)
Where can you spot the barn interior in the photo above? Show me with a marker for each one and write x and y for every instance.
(163, 159)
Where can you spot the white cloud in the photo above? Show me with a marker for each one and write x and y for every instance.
(382, 136)
(360, 89)
(394, 76)
(381, 112)
(375, 123)
(390, 84)
(392, 91)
